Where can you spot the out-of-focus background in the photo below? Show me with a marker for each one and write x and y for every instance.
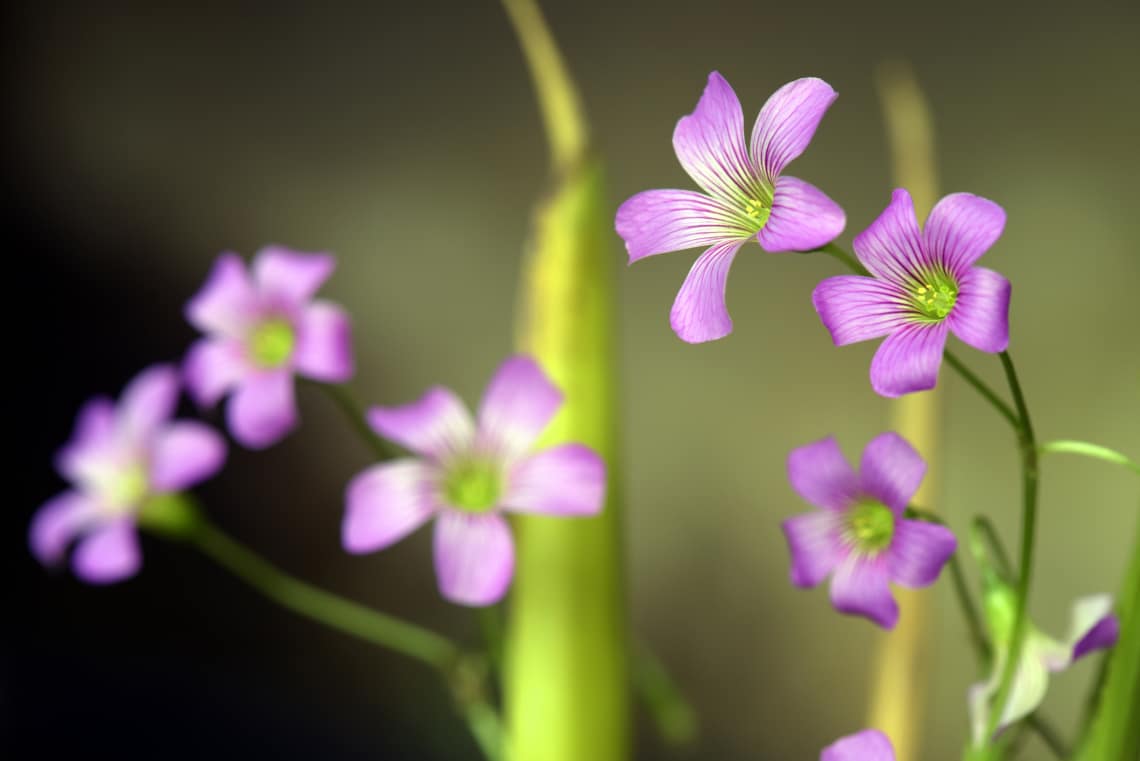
(405, 138)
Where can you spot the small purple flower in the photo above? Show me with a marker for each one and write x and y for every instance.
(748, 196)
(118, 459)
(858, 536)
(924, 285)
(262, 327)
(868, 745)
(467, 475)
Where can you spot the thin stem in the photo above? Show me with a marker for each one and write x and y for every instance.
(997, 549)
(980, 386)
(675, 718)
(354, 414)
(1095, 451)
(1049, 735)
(1028, 529)
(831, 249)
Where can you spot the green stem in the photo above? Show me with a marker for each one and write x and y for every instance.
(353, 412)
(1028, 445)
(1049, 735)
(1086, 449)
(844, 256)
(674, 717)
(983, 526)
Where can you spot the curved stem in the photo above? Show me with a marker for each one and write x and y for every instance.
(983, 526)
(844, 256)
(353, 412)
(1095, 451)
(1049, 735)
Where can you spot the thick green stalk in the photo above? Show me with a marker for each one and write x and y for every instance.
(566, 683)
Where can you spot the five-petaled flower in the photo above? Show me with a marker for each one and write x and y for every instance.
(859, 535)
(1093, 627)
(261, 329)
(118, 459)
(747, 196)
(924, 284)
(467, 475)
(868, 745)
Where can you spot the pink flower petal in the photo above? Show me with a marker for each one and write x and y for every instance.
(227, 303)
(519, 403)
(980, 316)
(387, 502)
(820, 474)
(108, 554)
(57, 523)
(213, 367)
(699, 312)
(787, 123)
(802, 218)
(183, 454)
(918, 552)
(815, 546)
(474, 557)
(859, 587)
(659, 221)
(909, 359)
(436, 425)
(961, 227)
(892, 248)
(855, 308)
(289, 279)
(148, 401)
(710, 143)
(324, 344)
(868, 745)
(891, 470)
(263, 409)
(565, 480)
(87, 455)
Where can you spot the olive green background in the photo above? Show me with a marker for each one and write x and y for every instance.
(406, 140)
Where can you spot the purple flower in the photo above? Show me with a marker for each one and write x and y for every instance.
(262, 327)
(118, 459)
(747, 196)
(924, 284)
(1093, 627)
(858, 536)
(868, 745)
(467, 475)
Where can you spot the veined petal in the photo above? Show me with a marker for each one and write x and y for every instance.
(474, 557)
(213, 367)
(519, 403)
(855, 308)
(815, 546)
(385, 503)
(569, 479)
(859, 587)
(57, 523)
(436, 425)
(909, 359)
(227, 303)
(891, 470)
(918, 552)
(821, 475)
(961, 227)
(891, 247)
(710, 143)
(868, 745)
(802, 218)
(699, 313)
(263, 409)
(787, 122)
(288, 278)
(980, 316)
(324, 343)
(108, 554)
(660, 221)
(148, 401)
(88, 454)
(1093, 627)
(183, 454)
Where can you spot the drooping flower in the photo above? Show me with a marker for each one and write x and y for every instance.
(746, 196)
(262, 327)
(859, 536)
(923, 286)
(467, 475)
(868, 745)
(118, 459)
(1093, 627)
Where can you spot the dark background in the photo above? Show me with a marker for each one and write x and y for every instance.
(142, 141)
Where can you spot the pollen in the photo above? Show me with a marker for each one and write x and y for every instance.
(870, 526)
(756, 212)
(935, 297)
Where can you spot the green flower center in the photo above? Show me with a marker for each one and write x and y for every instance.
(935, 295)
(272, 343)
(757, 213)
(870, 526)
(126, 490)
(473, 485)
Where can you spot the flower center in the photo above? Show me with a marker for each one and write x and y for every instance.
(935, 296)
(473, 485)
(870, 526)
(757, 213)
(272, 343)
(126, 490)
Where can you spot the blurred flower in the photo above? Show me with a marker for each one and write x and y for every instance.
(262, 327)
(747, 196)
(858, 536)
(118, 459)
(467, 475)
(1093, 627)
(868, 745)
(924, 284)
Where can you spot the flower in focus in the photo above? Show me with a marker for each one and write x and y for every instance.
(868, 745)
(746, 195)
(467, 475)
(118, 459)
(262, 327)
(858, 536)
(923, 285)
(1093, 627)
